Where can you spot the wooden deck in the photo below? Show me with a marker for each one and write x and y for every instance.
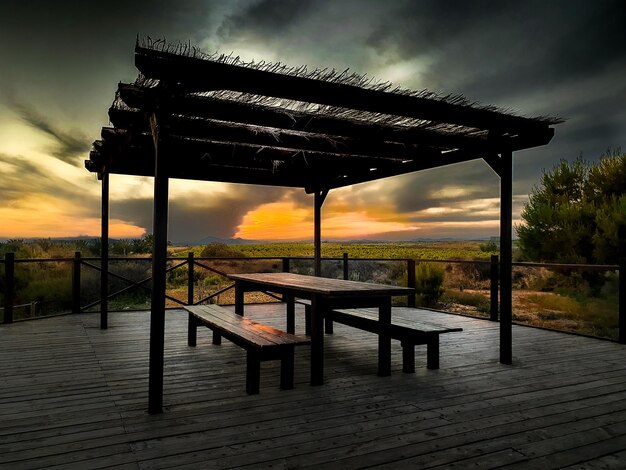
(73, 396)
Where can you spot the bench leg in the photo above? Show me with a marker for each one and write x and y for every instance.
(192, 331)
(328, 325)
(286, 368)
(384, 339)
(217, 338)
(432, 353)
(253, 372)
(408, 357)
(291, 313)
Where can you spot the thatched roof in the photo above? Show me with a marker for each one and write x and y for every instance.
(220, 119)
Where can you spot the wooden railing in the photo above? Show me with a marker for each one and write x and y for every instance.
(192, 263)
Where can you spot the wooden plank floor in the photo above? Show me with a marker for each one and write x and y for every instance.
(73, 396)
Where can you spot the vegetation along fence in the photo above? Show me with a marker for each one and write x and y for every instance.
(571, 297)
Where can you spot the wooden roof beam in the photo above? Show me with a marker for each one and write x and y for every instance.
(266, 116)
(127, 164)
(210, 150)
(202, 75)
(199, 128)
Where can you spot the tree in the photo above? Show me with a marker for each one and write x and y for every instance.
(575, 215)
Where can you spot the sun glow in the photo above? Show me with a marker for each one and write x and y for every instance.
(286, 221)
(41, 216)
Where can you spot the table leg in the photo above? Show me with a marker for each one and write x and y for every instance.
(291, 313)
(384, 338)
(239, 298)
(317, 341)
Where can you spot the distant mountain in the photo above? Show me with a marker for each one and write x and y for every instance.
(226, 241)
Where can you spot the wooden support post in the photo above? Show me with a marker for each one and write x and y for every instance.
(104, 255)
(345, 267)
(506, 266)
(159, 268)
(318, 309)
(9, 286)
(621, 292)
(76, 264)
(493, 284)
(190, 278)
(622, 300)
(410, 281)
(291, 312)
(285, 270)
(319, 197)
(384, 338)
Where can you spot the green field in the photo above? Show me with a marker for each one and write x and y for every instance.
(431, 250)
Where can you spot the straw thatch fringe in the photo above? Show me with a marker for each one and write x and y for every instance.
(345, 77)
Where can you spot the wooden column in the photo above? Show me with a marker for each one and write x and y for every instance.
(506, 267)
(493, 288)
(9, 286)
(104, 254)
(159, 266)
(410, 281)
(190, 278)
(621, 253)
(320, 196)
(622, 301)
(76, 264)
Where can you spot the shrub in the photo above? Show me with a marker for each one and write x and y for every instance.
(428, 284)
(488, 247)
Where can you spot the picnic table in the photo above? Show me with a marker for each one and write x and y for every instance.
(325, 295)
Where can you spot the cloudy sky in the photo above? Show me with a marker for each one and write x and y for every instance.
(62, 60)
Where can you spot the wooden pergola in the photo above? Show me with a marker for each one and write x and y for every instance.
(213, 118)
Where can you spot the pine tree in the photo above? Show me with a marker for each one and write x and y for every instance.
(575, 215)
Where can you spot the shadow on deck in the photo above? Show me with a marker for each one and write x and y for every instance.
(74, 396)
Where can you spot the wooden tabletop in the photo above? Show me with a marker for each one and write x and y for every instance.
(321, 285)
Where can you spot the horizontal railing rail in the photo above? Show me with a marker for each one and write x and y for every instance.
(193, 263)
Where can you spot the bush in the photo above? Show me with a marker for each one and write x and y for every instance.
(428, 284)
(488, 247)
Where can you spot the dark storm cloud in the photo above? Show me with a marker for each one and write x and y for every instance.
(194, 218)
(491, 49)
(69, 144)
(266, 18)
(430, 188)
(20, 177)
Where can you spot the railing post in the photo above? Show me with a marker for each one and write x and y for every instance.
(286, 265)
(9, 286)
(345, 266)
(493, 284)
(190, 279)
(76, 263)
(410, 281)
(104, 254)
(622, 300)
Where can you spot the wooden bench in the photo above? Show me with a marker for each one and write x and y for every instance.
(409, 332)
(261, 342)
